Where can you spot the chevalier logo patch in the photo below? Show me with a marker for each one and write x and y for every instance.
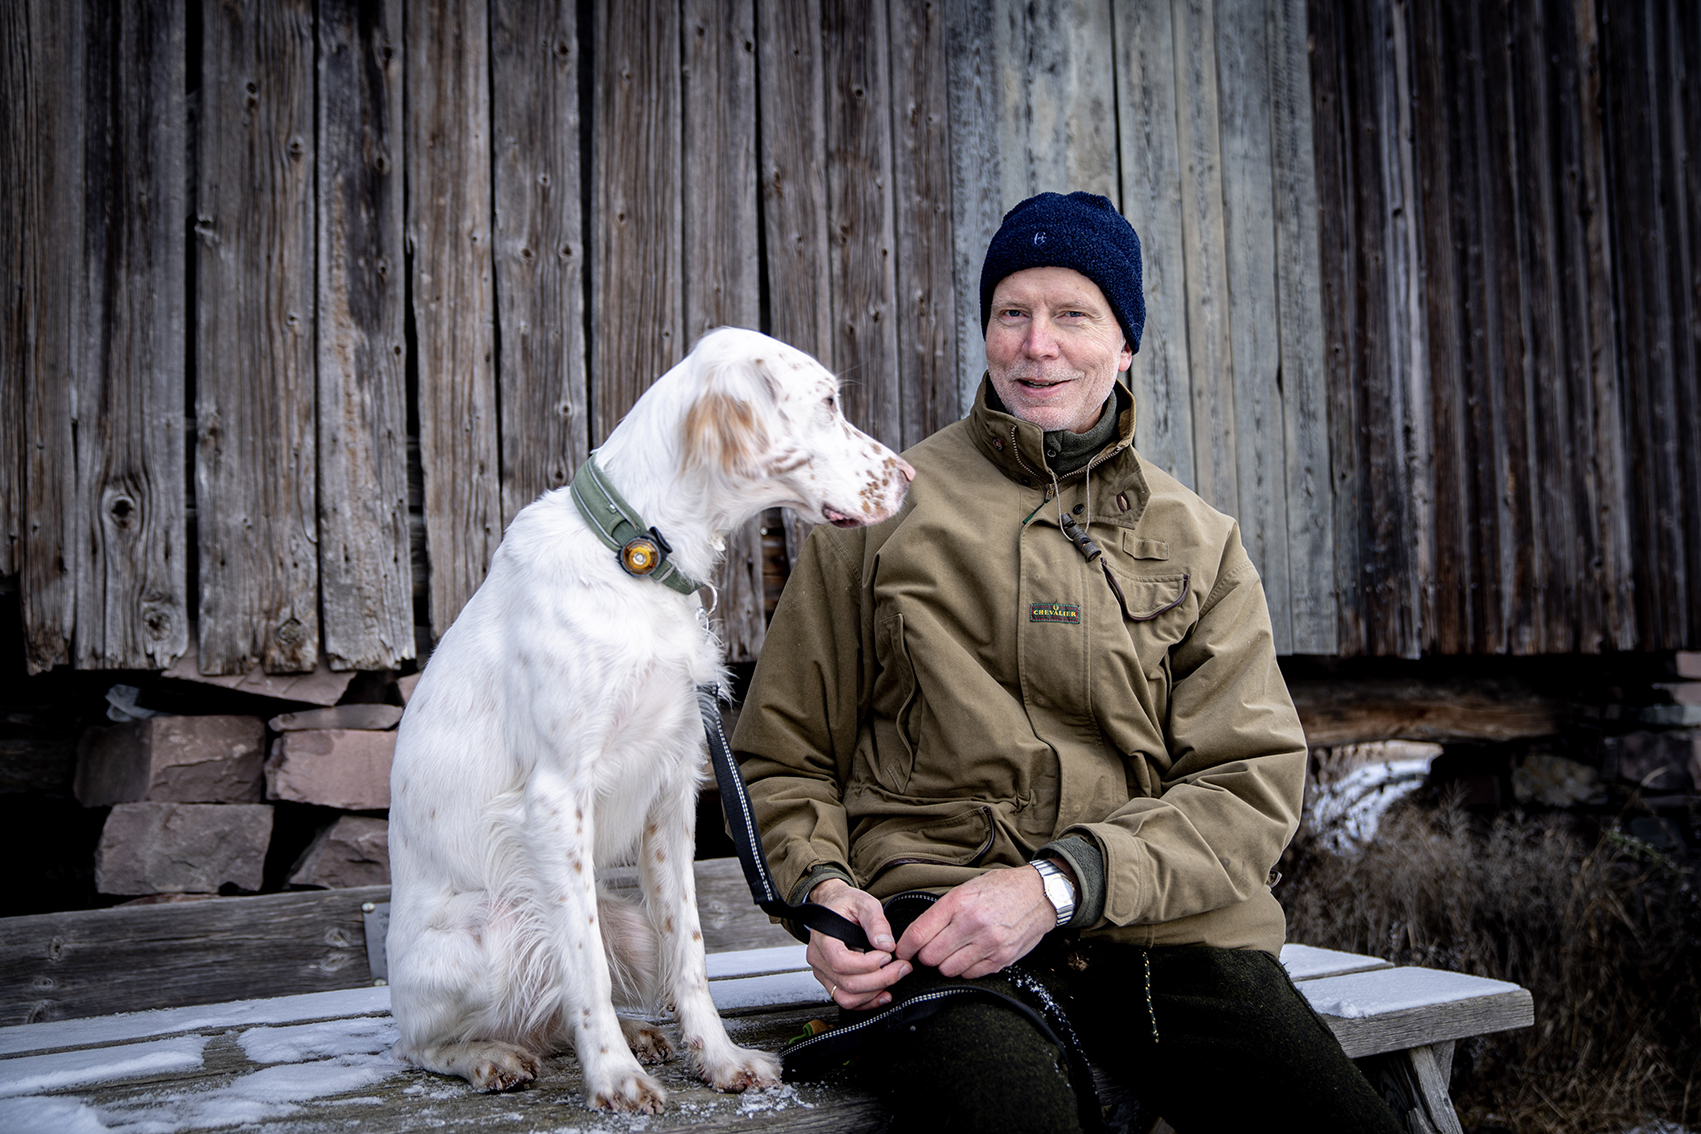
(1053, 612)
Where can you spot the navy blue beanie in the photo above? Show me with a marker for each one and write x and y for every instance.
(1082, 231)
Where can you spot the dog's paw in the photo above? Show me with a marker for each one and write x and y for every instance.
(743, 1069)
(502, 1068)
(629, 1093)
(646, 1041)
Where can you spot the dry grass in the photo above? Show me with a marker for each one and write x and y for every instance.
(1605, 932)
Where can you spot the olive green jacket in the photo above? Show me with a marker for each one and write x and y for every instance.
(953, 689)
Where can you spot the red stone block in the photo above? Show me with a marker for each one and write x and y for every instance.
(334, 767)
(213, 759)
(353, 851)
(182, 848)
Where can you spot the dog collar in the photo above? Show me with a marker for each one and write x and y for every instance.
(640, 551)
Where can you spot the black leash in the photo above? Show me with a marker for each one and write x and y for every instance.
(747, 838)
(820, 1052)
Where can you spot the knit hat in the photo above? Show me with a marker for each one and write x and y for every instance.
(1082, 231)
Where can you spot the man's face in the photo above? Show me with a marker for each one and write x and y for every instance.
(1054, 348)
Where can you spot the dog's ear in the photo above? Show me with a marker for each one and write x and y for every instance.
(724, 433)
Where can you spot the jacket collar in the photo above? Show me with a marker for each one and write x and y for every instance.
(1017, 448)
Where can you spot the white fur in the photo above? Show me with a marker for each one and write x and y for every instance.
(556, 731)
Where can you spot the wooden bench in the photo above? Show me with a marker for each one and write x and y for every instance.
(318, 1057)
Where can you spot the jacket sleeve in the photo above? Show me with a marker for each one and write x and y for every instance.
(798, 728)
(1230, 796)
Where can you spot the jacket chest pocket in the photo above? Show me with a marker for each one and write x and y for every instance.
(1156, 612)
(896, 692)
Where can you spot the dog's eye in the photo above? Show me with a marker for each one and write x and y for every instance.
(832, 403)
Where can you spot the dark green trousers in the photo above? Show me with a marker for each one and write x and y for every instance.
(1216, 1040)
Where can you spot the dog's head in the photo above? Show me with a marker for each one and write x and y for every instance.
(765, 422)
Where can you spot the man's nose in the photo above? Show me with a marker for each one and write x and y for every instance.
(1041, 341)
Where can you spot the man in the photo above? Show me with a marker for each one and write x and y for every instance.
(1047, 692)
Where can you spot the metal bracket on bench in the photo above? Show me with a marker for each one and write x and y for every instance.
(377, 919)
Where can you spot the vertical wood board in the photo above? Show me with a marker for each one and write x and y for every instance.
(927, 376)
(53, 120)
(1435, 92)
(449, 220)
(975, 96)
(1204, 254)
(721, 267)
(1151, 200)
(1249, 230)
(131, 606)
(538, 252)
(1304, 384)
(256, 449)
(1611, 571)
(16, 162)
(637, 312)
(859, 208)
(365, 579)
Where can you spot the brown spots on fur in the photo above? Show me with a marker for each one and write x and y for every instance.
(696, 935)
(661, 855)
(578, 867)
(667, 925)
(650, 830)
(725, 431)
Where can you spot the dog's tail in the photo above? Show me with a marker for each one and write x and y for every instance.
(634, 962)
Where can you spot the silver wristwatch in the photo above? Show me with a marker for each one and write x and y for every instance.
(1059, 891)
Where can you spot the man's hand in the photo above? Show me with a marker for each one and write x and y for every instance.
(981, 926)
(855, 980)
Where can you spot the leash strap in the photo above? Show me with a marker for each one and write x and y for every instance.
(825, 1050)
(747, 837)
(618, 525)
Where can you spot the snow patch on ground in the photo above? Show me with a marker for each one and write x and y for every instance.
(1352, 807)
(60, 1069)
(364, 1035)
(272, 1092)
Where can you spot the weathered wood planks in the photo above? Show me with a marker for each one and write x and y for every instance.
(1151, 189)
(637, 299)
(924, 256)
(16, 161)
(1302, 378)
(975, 95)
(861, 276)
(539, 250)
(454, 310)
(104, 563)
(365, 580)
(1058, 117)
(91, 962)
(256, 459)
(722, 266)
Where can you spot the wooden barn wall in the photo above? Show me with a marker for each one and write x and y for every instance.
(425, 266)
(307, 300)
(1509, 209)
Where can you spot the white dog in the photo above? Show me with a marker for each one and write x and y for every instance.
(556, 730)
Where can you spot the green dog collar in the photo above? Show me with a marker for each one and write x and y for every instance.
(641, 551)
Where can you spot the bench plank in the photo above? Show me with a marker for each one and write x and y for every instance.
(1390, 1010)
(1308, 962)
(94, 962)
